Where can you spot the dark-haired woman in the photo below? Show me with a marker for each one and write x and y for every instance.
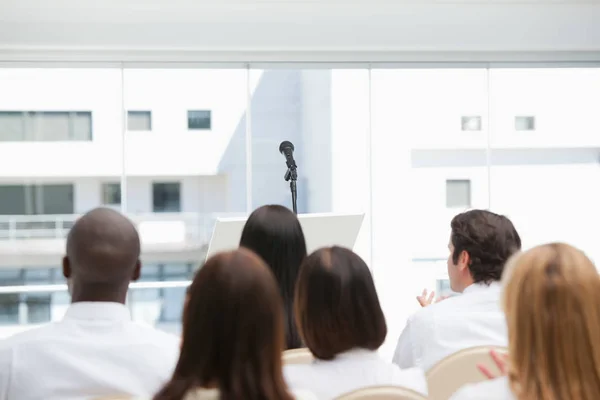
(341, 322)
(274, 233)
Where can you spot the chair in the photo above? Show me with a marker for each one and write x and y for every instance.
(297, 356)
(383, 393)
(459, 369)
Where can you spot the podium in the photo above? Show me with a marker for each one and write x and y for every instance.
(320, 230)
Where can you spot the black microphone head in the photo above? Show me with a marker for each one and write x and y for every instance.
(284, 145)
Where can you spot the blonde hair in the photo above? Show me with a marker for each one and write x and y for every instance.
(552, 305)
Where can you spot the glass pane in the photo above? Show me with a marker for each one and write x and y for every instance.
(458, 194)
(429, 163)
(12, 126)
(111, 194)
(50, 126)
(13, 200)
(9, 309)
(51, 177)
(199, 119)
(166, 197)
(139, 120)
(325, 114)
(81, 125)
(57, 199)
(543, 179)
(178, 180)
(38, 308)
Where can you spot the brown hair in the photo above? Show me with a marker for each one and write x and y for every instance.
(551, 300)
(232, 332)
(337, 308)
(489, 239)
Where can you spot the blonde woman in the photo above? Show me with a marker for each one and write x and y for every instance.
(552, 306)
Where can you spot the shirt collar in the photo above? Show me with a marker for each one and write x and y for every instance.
(98, 310)
(357, 354)
(480, 287)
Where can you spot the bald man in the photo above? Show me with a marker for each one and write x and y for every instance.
(96, 350)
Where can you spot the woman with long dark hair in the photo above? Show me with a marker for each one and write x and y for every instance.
(232, 334)
(274, 233)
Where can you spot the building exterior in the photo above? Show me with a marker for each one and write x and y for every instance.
(176, 148)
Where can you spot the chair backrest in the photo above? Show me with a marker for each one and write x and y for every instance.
(459, 369)
(297, 356)
(383, 393)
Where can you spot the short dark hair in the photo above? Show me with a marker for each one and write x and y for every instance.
(274, 233)
(337, 308)
(489, 239)
(232, 332)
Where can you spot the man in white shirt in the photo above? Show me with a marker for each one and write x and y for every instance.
(96, 350)
(480, 244)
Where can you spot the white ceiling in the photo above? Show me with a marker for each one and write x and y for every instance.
(130, 29)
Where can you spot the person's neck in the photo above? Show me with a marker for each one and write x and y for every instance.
(96, 293)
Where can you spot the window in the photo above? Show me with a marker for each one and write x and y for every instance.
(166, 197)
(139, 120)
(12, 126)
(458, 193)
(472, 123)
(524, 123)
(443, 288)
(36, 199)
(199, 119)
(45, 126)
(111, 194)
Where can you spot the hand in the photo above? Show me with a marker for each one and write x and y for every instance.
(425, 300)
(501, 361)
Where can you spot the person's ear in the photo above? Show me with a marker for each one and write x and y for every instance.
(137, 271)
(66, 267)
(464, 260)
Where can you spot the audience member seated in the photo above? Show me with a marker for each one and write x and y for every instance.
(480, 244)
(551, 299)
(96, 350)
(232, 334)
(341, 322)
(275, 234)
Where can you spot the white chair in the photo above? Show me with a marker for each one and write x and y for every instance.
(459, 369)
(383, 393)
(297, 356)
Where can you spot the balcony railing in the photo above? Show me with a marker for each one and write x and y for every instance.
(153, 227)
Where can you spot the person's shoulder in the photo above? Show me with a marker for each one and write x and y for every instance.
(40, 333)
(150, 334)
(430, 311)
(495, 389)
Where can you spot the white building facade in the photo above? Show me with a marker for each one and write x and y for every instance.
(175, 148)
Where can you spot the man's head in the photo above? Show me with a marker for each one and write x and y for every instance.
(103, 250)
(480, 244)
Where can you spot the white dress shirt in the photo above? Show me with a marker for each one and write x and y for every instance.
(497, 389)
(474, 318)
(352, 370)
(95, 351)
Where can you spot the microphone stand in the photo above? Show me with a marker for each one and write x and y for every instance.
(292, 176)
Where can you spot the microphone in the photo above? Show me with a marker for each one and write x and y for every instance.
(287, 149)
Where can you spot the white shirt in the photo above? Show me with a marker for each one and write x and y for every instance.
(95, 351)
(497, 389)
(474, 318)
(352, 370)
